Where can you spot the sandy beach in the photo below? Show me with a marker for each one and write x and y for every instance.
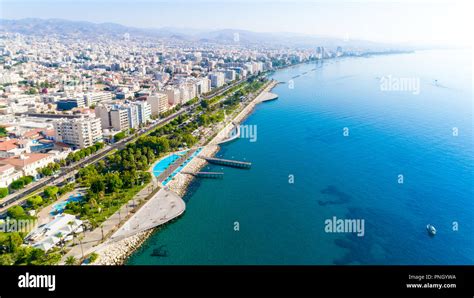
(116, 253)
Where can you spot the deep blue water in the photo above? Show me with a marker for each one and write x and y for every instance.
(355, 177)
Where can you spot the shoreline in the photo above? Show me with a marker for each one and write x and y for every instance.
(117, 253)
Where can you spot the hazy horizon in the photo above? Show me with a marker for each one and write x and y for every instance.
(441, 23)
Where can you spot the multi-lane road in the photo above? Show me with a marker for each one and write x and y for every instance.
(69, 171)
(66, 172)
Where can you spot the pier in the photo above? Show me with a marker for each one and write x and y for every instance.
(212, 175)
(228, 162)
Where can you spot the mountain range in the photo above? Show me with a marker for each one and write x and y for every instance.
(60, 27)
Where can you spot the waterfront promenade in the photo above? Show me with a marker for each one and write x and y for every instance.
(167, 203)
(163, 207)
(88, 241)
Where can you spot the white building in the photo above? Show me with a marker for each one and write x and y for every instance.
(119, 119)
(28, 164)
(92, 98)
(51, 234)
(217, 79)
(80, 132)
(144, 111)
(158, 103)
(174, 96)
(8, 174)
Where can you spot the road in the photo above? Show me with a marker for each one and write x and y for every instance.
(20, 197)
(67, 172)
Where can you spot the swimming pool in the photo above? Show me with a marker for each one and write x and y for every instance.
(166, 162)
(181, 166)
(59, 207)
(163, 164)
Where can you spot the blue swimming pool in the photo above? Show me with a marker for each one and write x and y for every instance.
(181, 166)
(166, 162)
(59, 207)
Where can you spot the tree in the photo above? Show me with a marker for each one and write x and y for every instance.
(71, 260)
(97, 185)
(34, 201)
(17, 184)
(16, 212)
(51, 191)
(93, 257)
(119, 136)
(113, 182)
(6, 260)
(3, 131)
(3, 192)
(15, 241)
(204, 104)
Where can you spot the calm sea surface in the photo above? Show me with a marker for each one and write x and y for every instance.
(391, 133)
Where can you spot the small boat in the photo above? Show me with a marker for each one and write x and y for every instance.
(431, 230)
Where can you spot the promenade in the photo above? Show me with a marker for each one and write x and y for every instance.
(88, 241)
(166, 204)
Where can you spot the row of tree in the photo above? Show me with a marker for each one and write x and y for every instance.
(80, 154)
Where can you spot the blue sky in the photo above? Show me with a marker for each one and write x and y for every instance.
(434, 22)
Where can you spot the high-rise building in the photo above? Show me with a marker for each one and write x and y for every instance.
(217, 79)
(230, 74)
(158, 103)
(174, 96)
(118, 118)
(79, 132)
(144, 111)
(203, 86)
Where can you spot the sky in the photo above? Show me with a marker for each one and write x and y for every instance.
(412, 21)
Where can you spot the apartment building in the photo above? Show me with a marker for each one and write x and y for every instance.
(80, 132)
(158, 103)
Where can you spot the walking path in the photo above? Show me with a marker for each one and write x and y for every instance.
(90, 239)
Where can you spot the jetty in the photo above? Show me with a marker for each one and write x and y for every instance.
(228, 162)
(212, 175)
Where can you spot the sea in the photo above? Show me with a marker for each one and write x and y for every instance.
(384, 140)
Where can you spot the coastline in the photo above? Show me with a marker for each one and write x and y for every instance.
(118, 252)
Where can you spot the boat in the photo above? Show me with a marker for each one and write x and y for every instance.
(431, 230)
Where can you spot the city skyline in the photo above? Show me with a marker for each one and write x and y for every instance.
(438, 23)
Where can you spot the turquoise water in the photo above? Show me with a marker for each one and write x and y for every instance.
(178, 169)
(354, 177)
(59, 207)
(164, 163)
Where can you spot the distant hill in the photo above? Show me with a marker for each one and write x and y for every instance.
(60, 27)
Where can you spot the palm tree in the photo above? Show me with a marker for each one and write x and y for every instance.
(71, 260)
(80, 241)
